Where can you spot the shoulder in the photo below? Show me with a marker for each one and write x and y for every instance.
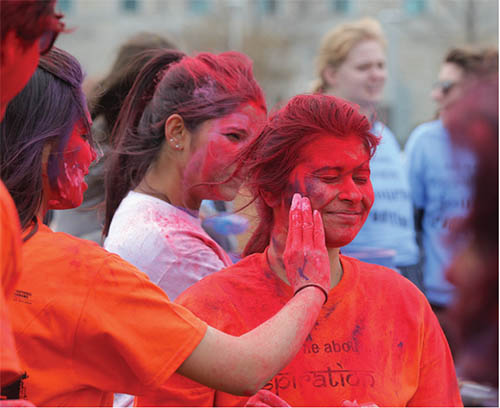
(382, 130)
(60, 249)
(388, 142)
(425, 131)
(423, 140)
(234, 275)
(219, 288)
(377, 279)
(145, 222)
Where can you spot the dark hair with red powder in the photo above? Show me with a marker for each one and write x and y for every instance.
(269, 160)
(45, 111)
(198, 88)
(28, 18)
(473, 124)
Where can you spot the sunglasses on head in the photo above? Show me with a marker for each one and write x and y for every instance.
(444, 86)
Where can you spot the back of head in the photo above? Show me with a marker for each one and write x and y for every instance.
(45, 111)
(271, 158)
(27, 18)
(338, 42)
(473, 124)
(111, 92)
(198, 88)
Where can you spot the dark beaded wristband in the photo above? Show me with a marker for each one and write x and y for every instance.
(315, 285)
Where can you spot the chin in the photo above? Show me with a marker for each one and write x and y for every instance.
(338, 242)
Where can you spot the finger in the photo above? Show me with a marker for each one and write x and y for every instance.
(294, 236)
(307, 219)
(319, 230)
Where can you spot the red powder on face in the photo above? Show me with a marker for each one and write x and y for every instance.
(77, 157)
(218, 141)
(335, 174)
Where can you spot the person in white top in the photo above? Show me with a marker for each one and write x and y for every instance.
(175, 143)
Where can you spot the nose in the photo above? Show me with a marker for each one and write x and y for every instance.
(378, 72)
(93, 154)
(350, 191)
(436, 94)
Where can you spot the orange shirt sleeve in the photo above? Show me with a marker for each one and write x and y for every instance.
(129, 326)
(209, 302)
(10, 264)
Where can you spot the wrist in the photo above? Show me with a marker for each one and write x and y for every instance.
(313, 286)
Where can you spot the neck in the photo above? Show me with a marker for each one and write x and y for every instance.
(44, 208)
(164, 180)
(275, 257)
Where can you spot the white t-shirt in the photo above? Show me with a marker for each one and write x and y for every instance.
(165, 242)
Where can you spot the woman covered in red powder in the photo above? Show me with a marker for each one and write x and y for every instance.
(376, 342)
(87, 323)
(180, 127)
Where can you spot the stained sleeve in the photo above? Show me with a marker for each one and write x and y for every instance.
(209, 302)
(130, 338)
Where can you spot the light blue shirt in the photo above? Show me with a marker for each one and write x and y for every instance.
(390, 224)
(440, 177)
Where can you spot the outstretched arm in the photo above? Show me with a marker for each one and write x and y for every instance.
(242, 365)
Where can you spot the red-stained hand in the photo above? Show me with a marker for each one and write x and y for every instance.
(305, 257)
(265, 398)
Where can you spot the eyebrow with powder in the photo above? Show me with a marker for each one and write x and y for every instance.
(338, 168)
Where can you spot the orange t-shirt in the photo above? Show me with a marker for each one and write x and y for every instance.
(10, 264)
(89, 324)
(376, 340)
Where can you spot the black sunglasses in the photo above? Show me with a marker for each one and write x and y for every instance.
(445, 86)
(46, 40)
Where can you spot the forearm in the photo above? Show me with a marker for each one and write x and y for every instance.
(242, 365)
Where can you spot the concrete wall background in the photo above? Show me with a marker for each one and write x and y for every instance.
(282, 37)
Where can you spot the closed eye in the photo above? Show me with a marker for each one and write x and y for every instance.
(235, 137)
(329, 179)
(361, 180)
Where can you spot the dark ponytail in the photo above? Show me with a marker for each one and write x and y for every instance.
(133, 147)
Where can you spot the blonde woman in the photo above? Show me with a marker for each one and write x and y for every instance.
(351, 64)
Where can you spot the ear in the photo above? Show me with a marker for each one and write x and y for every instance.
(270, 199)
(177, 136)
(330, 76)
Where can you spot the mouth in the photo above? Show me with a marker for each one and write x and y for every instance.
(346, 216)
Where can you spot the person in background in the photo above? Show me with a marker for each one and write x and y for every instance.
(440, 174)
(88, 323)
(180, 127)
(376, 341)
(106, 100)
(351, 64)
(473, 124)
(28, 28)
